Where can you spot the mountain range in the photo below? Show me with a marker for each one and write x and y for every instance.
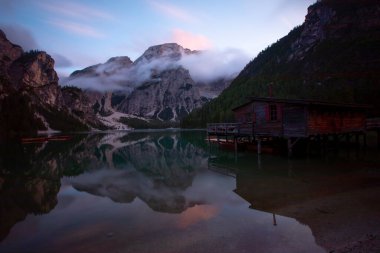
(332, 56)
(154, 91)
(155, 87)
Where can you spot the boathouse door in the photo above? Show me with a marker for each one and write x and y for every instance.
(294, 120)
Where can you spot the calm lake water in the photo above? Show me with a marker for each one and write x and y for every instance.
(170, 191)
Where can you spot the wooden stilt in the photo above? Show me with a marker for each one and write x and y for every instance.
(236, 148)
(259, 161)
(259, 146)
(364, 140)
(290, 147)
(378, 139)
(274, 220)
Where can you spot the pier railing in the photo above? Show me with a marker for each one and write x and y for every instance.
(373, 124)
(230, 128)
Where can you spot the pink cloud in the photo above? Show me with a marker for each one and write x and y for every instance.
(191, 41)
(173, 11)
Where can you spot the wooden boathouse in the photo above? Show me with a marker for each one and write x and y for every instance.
(294, 119)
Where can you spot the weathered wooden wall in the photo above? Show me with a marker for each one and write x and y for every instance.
(295, 120)
(328, 121)
(244, 113)
(264, 126)
(245, 116)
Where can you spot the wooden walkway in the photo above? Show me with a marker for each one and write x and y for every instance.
(245, 132)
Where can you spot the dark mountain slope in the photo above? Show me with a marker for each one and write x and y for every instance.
(334, 55)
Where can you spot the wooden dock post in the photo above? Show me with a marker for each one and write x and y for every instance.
(290, 147)
(259, 161)
(259, 146)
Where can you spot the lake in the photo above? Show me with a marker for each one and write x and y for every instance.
(170, 191)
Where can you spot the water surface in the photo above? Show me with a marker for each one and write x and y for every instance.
(170, 191)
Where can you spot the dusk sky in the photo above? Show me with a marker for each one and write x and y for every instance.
(86, 32)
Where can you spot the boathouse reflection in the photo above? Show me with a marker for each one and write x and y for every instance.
(337, 200)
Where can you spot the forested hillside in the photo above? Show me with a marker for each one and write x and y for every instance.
(333, 56)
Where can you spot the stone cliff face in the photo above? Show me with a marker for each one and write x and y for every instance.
(31, 98)
(313, 30)
(8, 53)
(332, 19)
(34, 71)
(171, 95)
(80, 105)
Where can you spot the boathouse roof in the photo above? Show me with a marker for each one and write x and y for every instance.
(302, 102)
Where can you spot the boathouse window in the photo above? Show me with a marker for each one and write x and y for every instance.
(273, 112)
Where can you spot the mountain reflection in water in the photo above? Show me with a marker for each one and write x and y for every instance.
(170, 192)
(156, 170)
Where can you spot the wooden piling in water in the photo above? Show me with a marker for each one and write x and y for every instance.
(290, 148)
(259, 146)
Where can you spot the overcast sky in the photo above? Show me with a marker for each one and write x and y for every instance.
(86, 32)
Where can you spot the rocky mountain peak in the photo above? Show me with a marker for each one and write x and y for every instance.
(111, 66)
(336, 19)
(169, 97)
(122, 60)
(171, 51)
(34, 69)
(9, 52)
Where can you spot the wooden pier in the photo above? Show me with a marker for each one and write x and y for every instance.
(263, 119)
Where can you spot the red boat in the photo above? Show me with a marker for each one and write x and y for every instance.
(45, 139)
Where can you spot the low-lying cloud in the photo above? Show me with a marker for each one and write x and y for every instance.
(212, 65)
(204, 67)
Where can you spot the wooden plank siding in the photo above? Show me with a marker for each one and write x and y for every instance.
(295, 121)
(245, 116)
(327, 121)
